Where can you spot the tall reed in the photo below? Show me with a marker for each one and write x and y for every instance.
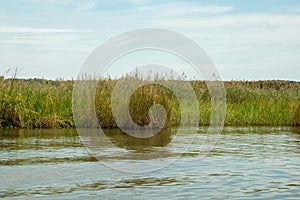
(38, 103)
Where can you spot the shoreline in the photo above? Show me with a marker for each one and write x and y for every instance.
(39, 103)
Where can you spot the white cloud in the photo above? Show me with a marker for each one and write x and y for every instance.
(295, 10)
(136, 1)
(53, 43)
(248, 43)
(213, 9)
(248, 29)
(15, 29)
(179, 9)
(85, 6)
(231, 20)
(145, 8)
(242, 41)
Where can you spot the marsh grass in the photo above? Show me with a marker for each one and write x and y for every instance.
(35, 103)
(262, 102)
(140, 103)
(38, 103)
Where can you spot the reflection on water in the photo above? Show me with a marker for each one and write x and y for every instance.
(295, 130)
(297, 116)
(128, 142)
(247, 162)
(128, 154)
(19, 147)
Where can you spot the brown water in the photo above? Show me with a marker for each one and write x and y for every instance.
(247, 163)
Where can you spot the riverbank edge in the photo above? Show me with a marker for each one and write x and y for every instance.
(39, 103)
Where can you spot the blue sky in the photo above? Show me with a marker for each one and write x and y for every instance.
(247, 39)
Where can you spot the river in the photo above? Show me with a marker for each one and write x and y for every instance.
(246, 163)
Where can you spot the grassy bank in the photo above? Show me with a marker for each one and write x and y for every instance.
(37, 103)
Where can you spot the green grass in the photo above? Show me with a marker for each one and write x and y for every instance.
(37, 103)
(263, 103)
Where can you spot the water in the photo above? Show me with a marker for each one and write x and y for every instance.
(247, 163)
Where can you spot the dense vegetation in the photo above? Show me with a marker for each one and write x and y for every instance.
(38, 103)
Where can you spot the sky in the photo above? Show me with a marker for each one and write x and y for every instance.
(246, 39)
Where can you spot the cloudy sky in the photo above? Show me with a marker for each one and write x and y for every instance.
(246, 39)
